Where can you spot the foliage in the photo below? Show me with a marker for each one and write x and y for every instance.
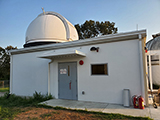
(91, 29)
(17, 101)
(7, 112)
(5, 62)
(10, 106)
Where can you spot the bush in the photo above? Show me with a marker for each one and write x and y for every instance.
(17, 101)
(8, 112)
(10, 102)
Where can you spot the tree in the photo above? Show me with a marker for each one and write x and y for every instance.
(5, 62)
(91, 29)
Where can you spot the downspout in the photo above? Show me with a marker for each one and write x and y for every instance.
(150, 73)
(11, 73)
(146, 70)
(49, 81)
(143, 70)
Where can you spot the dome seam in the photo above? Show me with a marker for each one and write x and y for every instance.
(62, 19)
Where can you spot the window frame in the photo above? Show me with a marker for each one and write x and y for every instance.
(99, 74)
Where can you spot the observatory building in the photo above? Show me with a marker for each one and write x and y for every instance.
(54, 61)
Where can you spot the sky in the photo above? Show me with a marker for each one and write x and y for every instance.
(16, 15)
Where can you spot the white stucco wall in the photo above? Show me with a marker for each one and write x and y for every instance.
(123, 69)
(31, 73)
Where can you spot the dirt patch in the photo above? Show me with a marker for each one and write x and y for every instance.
(51, 114)
(32, 113)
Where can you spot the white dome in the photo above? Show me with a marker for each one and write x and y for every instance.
(50, 27)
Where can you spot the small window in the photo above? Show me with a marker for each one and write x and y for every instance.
(99, 69)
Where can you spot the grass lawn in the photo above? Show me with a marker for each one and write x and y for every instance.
(19, 108)
(6, 89)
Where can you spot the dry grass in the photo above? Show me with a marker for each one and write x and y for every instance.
(4, 89)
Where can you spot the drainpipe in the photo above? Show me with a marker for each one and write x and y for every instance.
(143, 69)
(146, 70)
(141, 66)
(11, 73)
(49, 90)
(150, 73)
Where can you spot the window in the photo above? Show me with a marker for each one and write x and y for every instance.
(99, 69)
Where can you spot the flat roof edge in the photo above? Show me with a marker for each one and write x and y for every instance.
(97, 40)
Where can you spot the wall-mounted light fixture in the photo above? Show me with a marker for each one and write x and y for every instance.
(94, 49)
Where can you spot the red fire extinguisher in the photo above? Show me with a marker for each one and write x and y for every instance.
(141, 102)
(135, 101)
